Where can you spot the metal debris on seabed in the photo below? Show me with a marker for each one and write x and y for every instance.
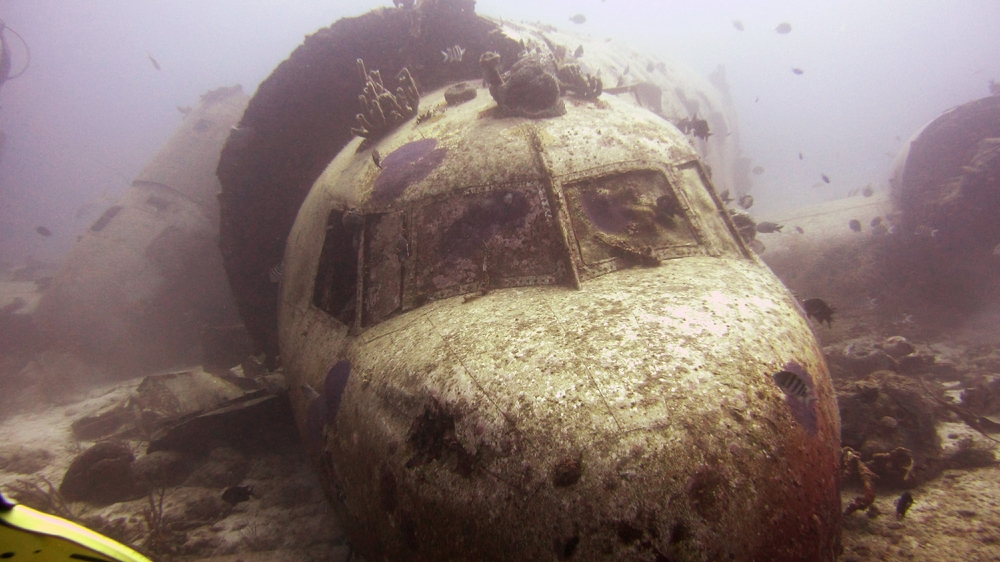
(453, 54)
(383, 110)
(850, 465)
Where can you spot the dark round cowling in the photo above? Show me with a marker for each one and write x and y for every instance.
(302, 115)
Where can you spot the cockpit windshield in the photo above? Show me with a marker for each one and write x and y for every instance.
(631, 215)
(490, 237)
(483, 240)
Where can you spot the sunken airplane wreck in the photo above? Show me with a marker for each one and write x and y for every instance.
(530, 331)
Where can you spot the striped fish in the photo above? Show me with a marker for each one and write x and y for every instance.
(274, 274)
(453, 54)
(792, 384)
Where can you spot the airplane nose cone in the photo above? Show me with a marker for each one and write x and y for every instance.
(645, 417)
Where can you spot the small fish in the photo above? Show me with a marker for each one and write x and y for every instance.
(650, 66)
(757, 100)
(800, 156)
(726, 199)
(578, 52)
(876, 221)
(184, 110)
(274, 274)
(758, 170)
(818, 309)
(699, 128)
(903, 504)
(868, 191)
(454, 54)
(825, 178)
(738, 25)
(757, 246)
(746, 201)
(377, 159)
(237, 494)
(799, 230)
(43, 231)
(578, 19)
(156, 65)
(783, 28)
(855, 225)
(768, 227)
(627, 68)
(792, 384)
(798, 71)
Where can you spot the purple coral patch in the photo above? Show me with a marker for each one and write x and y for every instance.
(803, 410)
(406, 166)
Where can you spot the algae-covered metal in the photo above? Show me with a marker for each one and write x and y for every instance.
(543, 339)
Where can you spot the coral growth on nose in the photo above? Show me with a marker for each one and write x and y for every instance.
(383, 110)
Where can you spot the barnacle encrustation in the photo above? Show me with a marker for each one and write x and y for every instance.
(381, 109)
(533, 86)
(572, 79)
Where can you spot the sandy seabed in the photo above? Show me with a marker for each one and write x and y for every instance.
(955, 516)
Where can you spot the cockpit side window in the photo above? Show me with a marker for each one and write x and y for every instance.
(627, 218)
(386, 250)
(335, 288)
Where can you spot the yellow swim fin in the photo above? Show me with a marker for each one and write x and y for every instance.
(27, 534)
